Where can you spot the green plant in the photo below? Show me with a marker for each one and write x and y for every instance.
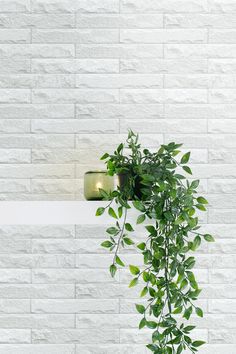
(167, 205)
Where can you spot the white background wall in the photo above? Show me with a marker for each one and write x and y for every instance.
(57, 296)
(75, 74)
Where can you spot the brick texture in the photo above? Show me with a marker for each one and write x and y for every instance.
(57, 296)
(76, 74)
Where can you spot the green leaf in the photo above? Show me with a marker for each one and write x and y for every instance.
(184, 283)
(188, 329)
(104, 194)
(144, 292)
(177, 310)
(134, 270)
(209, 238)
(195, 184)
(133, 283)
(196, 243)
(178, 176)
(199, 311)
(180, 349)
(187, 169)
(142, 246)
(120, 211)
(128, 227)
(151, 229)
(188, 312)
(171, 166)
(198, 343)
(200, 207)
(112, 231)
(112, 213)
(142, 323)
(202, 200)
(100, 211)
(120, 147)
(119, 261)
(176, 152)
(179, 220)
(139, 205)
(188, 339)
(189, 263)
(168, 215)
(154, 348)
(107, 244)
(194, 285)
(128, 241)
(185, 158)
(157, 336)
(146, 276)
(105, 156)
(141, 218)
(192, 280)
(113, 270)
(169, 350)
(148, 178)
(151, 324)
(140, 308)
(194, 294)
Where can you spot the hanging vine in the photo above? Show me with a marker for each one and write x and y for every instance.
(167, 203)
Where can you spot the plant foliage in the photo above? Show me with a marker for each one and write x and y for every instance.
(168, 206)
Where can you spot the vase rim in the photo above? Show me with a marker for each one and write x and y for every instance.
(95, 171)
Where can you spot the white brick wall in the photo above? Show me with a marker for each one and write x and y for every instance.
(57, 296)
(76, 74)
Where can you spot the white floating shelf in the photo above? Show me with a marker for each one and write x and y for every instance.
(71, 212)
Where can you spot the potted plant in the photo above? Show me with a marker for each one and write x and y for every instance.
(130, 168)
(167, 202)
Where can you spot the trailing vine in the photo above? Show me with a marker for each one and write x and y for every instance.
(167, 203)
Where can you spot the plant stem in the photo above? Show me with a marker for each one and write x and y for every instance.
(120, 237)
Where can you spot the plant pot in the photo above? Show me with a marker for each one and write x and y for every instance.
(125, 185)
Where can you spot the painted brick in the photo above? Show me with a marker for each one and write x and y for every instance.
(36, 141)
(35, 291)
(13, 336)
(15, 6)
(15, 155)
(14, 36)
(163, 6)
(14, 185)
(200, 20)
(28, 51)
(119, 81)
(75, 306)
(36, 171)
(75, 96)
(162, 36)
(222, 6)
(77, 126)
(36, 111)
(73, 66)
(39, 349)
(75, 336)
(30, 20)
(164, 126)
(113, 65)
(77, 36)
(119, 51)
(163, 66)
(53, 186)
(75, 5)
(37, 81)
(119, 21)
